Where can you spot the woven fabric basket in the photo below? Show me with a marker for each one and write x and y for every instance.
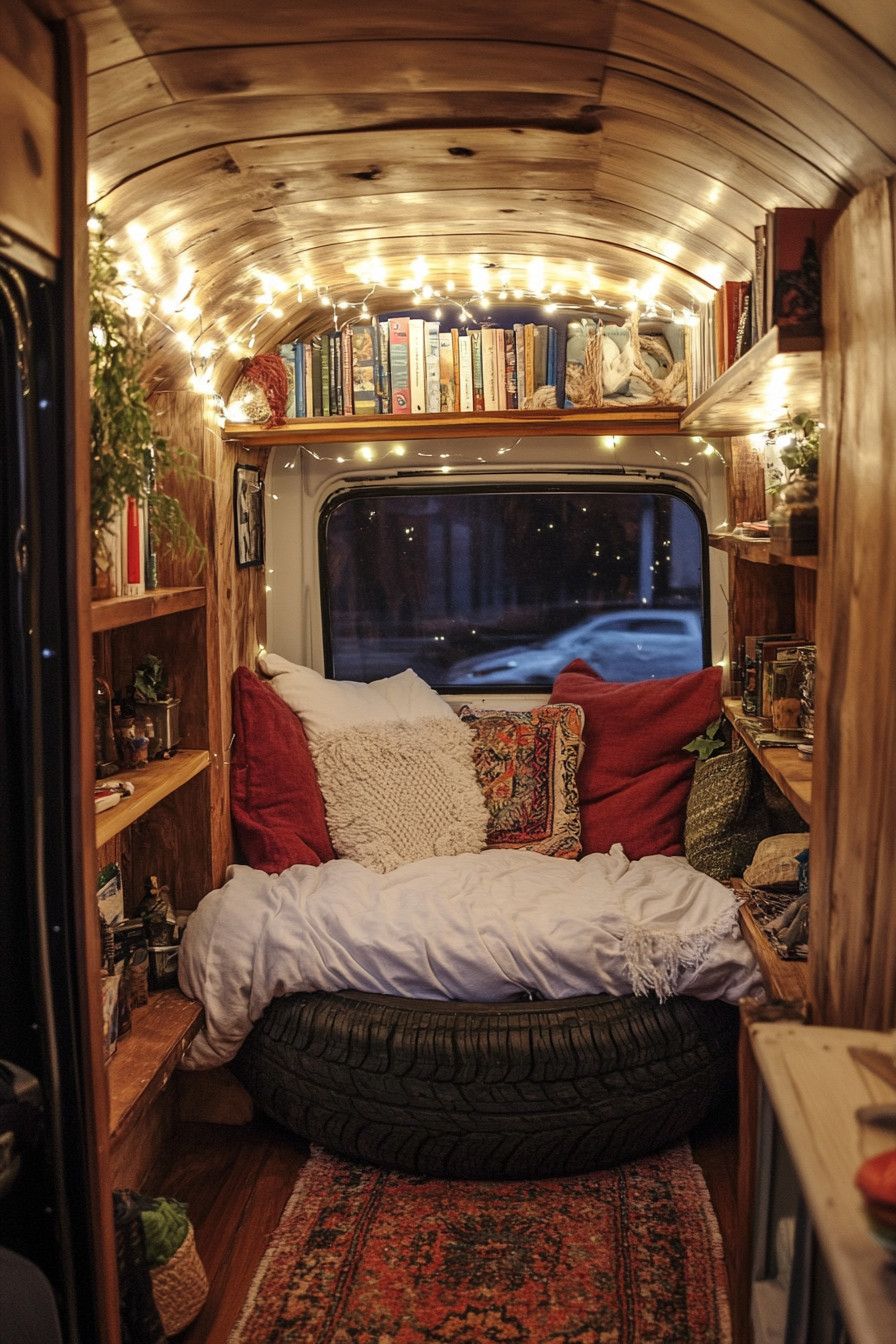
(180, 1287)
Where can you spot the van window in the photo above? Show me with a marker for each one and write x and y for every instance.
(500, 588)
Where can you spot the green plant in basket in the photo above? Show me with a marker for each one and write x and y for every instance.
(799, 456)
(127, 456)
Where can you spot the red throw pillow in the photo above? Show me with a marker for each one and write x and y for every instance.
(634, 778)
(275, 799)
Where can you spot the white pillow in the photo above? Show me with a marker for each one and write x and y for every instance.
(326, 706)
(401, 791)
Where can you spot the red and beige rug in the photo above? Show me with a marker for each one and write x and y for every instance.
(631, 1255)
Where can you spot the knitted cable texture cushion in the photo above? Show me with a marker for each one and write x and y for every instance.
(397, 792)
(526, 762)
(726, 816)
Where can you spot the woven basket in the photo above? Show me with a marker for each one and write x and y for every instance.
(180, 1287)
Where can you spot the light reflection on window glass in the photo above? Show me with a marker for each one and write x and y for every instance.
(489, 590)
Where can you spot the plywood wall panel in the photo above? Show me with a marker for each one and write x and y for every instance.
(853, 944)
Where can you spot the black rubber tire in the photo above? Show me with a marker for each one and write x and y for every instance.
(488, 1090)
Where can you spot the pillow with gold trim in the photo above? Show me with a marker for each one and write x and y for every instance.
(526, 765)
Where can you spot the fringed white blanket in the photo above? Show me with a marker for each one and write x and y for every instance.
(480, 927)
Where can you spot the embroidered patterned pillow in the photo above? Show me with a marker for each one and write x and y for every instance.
(526, 765)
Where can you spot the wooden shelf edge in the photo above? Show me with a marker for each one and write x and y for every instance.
(749, 382)
(153, 783)
(792, 776)
(113, 612)
(782, 979)
(758, 551)
(148, 1055)
(466, 424)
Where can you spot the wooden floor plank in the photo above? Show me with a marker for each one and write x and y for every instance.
(236, 1180)
(715, 1148)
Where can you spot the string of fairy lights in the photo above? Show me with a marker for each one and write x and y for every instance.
(176, 308)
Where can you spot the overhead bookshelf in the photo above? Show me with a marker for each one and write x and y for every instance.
(753, 395)
(153, 783)
(461, 425)
(790, 771)
(759, 551)
(113, 612)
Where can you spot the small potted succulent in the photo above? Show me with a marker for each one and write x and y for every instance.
(793, 523)
(152, 697)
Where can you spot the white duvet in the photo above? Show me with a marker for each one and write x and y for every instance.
(481, 927)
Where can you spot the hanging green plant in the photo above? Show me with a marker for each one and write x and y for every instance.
(127, 456)
(800, 435)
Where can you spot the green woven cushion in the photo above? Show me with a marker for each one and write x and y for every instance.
(727, 816)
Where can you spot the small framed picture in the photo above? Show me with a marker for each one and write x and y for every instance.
(248, 515)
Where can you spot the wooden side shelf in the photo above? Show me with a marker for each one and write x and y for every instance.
(113, 612)
(146, 1058)
(460, 425)
(782, 979)
(752, 396)
(153, 783)
(791, 773)
(759, 551)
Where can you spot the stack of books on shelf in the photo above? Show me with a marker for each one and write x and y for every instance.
(408, 366)
(127, 553)
(778, 689)
(784, 292)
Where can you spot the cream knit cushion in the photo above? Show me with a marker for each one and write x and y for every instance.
(397, 792)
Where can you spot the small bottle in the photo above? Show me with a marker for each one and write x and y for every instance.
(103, 734)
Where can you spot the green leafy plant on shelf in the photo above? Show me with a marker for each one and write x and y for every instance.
(799, 455)
(151, 679)
(708, 742)
(127, 456)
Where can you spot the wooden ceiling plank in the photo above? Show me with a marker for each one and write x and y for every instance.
(678, 180)
(109, 40)
(622, 126)
(380, 67)
(123, 91)
(310, 186)
(410, 147)
(772, 100)
(793, 34)
(130, 146)
(632, 91)
(170, 25)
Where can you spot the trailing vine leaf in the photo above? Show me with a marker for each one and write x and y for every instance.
(705, 745)
(126, 453)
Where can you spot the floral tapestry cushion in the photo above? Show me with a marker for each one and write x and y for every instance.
(526, 765)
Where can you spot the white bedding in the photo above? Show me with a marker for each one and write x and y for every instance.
(480, 927)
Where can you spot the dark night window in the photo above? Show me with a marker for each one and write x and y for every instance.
(498, 589)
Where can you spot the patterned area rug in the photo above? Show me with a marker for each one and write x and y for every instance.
(631, 1255)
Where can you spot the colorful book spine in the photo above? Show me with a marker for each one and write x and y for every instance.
(288, 355)
(529, 335)
(384, 390)
(431, 346)
(399, 361)
(317, 396)
(519, 341)
(465, 363)
(455, 347)
(510, 370)
(446, 371)
(346, 369)
(417, 357)
(298, 352)
(476, 354)
(489, 370)
(335, 373)
(325, 373)
(363, 375)
(540, 356)
(309, 380)
(500, 369)
(133, 550)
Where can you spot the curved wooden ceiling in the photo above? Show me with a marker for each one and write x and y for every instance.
(638, 143)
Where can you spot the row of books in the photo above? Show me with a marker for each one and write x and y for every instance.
(784, 292)
(408, 366)
(129, 550)
(775, 668)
